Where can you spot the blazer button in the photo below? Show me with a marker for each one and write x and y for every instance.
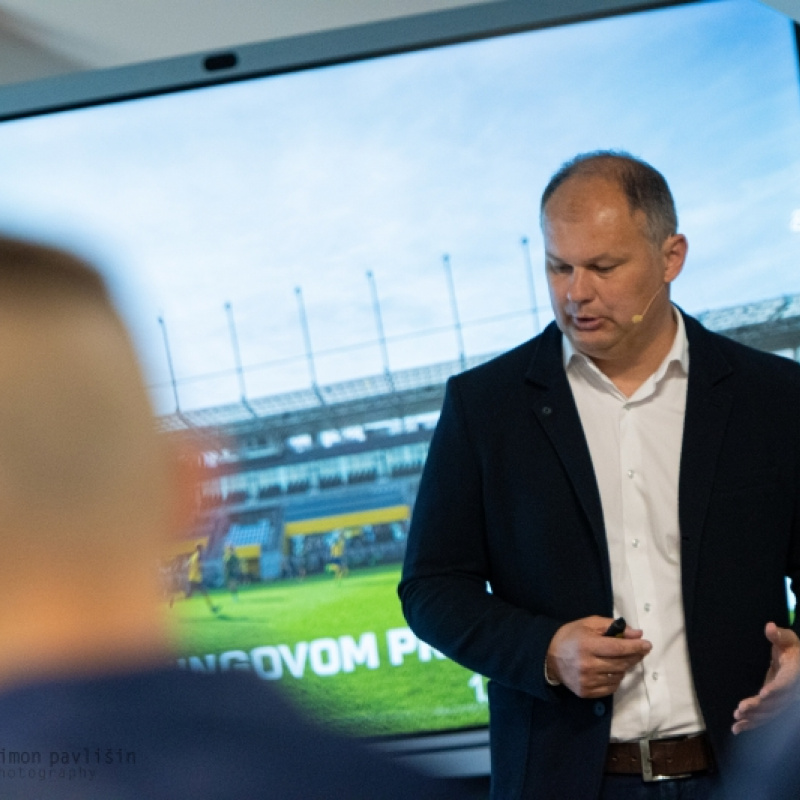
(547, 411)
(599, 708)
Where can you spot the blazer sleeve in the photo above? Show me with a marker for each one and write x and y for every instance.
(445, 588)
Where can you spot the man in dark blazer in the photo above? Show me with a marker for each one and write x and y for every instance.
(528, 531)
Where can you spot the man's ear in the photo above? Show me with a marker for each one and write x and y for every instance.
(674, 251)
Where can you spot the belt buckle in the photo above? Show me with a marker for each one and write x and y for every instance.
(647, 765)
(646, 761)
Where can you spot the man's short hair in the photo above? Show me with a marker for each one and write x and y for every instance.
(644, 186)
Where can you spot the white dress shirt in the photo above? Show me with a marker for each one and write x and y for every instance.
(635, 444)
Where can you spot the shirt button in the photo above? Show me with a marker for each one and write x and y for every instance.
(599, 708)
(647, 606)
(635, 542)
(655, 676)
(630, 473)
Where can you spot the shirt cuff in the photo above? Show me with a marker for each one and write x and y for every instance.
(550, 680)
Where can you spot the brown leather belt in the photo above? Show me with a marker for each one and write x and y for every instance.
(661, 759)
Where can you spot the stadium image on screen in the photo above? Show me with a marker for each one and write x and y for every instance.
(306, 257)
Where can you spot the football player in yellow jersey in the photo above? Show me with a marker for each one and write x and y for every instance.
(194, 575)
(337, 563)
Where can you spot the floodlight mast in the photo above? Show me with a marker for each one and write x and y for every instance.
(376, 308)
(376, 305)
(451, 288)
(238, 360)
(312, 370)
(526, 255)
(178, 413)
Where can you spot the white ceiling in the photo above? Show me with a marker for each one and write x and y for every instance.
(789, 7)
(39, 38)
(77, 34)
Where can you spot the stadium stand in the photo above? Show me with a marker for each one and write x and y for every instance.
(363, 488)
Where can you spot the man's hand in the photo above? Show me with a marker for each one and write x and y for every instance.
(590, 664)
(781, 684)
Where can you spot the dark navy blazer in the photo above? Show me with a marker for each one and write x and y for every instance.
(509, 497)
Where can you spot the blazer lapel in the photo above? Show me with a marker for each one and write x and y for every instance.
(554, 407)
(708, 406)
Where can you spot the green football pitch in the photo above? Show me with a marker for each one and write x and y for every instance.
(340, 648)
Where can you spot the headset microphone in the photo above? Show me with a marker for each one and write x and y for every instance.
(637, 318)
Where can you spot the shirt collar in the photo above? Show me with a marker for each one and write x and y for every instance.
(678, 354)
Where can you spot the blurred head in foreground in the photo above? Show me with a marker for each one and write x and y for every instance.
(88, 497)
(87, 490)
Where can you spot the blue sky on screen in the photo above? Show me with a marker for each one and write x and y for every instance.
(242, 192)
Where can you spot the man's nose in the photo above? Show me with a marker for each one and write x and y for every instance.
(580, 286)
